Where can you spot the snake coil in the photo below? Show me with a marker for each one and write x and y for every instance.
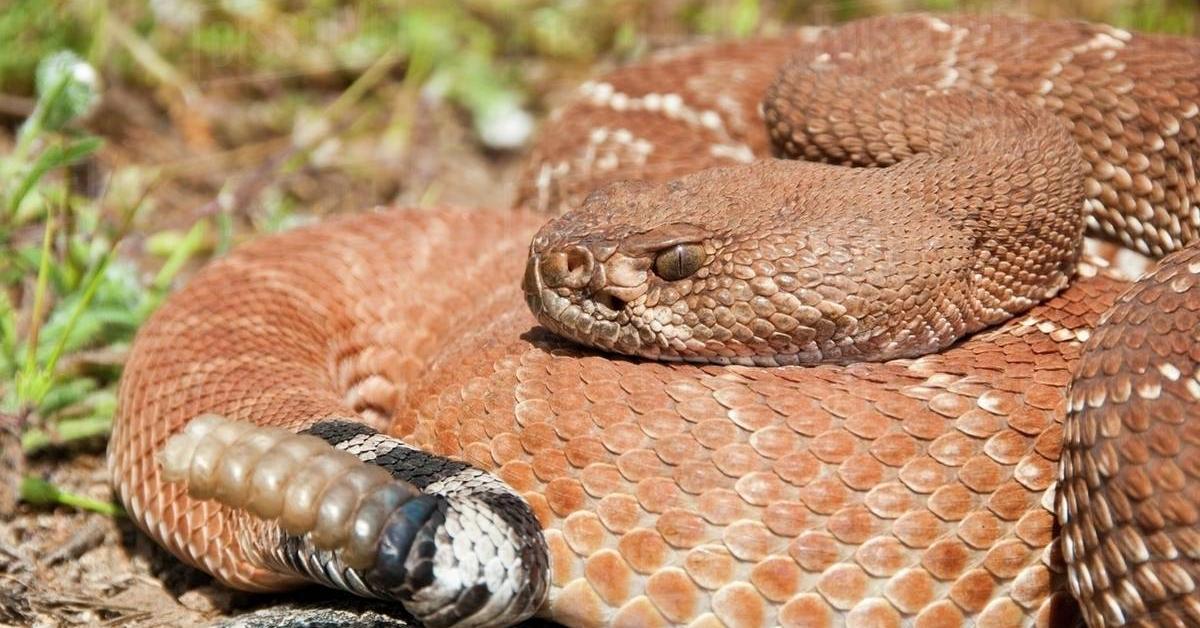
(523, 473)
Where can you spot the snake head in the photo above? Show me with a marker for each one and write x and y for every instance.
(603, 277)
(771, 263)
(735, 265)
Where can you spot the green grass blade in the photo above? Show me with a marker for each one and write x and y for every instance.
(53, 157)
(180, 255)
(66, 431)
(80, 307)
(40, 492)
(39, 302)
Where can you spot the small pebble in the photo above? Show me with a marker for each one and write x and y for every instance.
(207, 599)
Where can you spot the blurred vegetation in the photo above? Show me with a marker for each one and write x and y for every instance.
(173, 128)
(474, 49)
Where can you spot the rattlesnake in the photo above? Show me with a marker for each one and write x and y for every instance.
(914, 491)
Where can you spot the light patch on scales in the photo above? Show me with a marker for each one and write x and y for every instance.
(672, 106)
(1056, 332)
(950, 59)
(734, 152)
(1107, 39)
(606, 150)
(1128, 263)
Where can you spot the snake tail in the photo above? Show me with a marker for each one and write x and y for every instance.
(363, 512)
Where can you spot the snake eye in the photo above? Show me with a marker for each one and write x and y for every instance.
(679, 262)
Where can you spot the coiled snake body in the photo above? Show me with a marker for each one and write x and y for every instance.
(908, 478)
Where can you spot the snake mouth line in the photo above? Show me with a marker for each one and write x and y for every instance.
(581, 324)
(601, 321)
(629, 340)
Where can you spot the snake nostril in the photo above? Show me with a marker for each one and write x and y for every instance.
(579, 261)
(568, 268)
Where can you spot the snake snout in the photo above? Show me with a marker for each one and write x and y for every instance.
(570, 267)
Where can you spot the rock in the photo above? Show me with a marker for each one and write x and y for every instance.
(353, 613)
(208, 599)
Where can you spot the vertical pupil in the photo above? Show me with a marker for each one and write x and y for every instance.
(678, 261)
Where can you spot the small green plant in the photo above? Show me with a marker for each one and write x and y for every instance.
(68, 306)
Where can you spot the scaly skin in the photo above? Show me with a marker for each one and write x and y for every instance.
(911, 492)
